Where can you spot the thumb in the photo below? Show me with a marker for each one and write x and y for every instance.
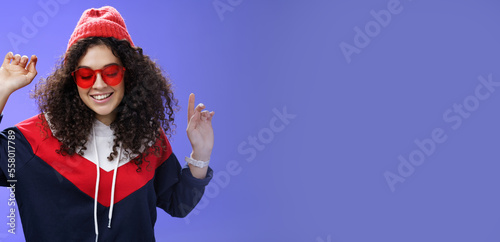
(32, 68)
(192, 122)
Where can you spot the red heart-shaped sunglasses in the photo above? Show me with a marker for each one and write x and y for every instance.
(86, 77)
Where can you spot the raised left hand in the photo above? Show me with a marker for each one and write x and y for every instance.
(199, 130)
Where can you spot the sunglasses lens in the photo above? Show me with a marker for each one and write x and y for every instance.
(113, 74)
(84, 77)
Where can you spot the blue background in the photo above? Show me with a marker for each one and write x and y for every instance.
(321, 177)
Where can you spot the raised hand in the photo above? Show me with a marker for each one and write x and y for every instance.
(199, 130)
(16, 72)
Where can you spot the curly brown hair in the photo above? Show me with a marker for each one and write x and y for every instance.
(148, 105)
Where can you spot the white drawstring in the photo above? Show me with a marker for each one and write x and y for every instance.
(112, 202)
(96, 187)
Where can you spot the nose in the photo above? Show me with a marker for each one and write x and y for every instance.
(99, 82)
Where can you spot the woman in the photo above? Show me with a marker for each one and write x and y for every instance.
(97, 160)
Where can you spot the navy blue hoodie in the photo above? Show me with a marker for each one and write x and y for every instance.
(55, 194)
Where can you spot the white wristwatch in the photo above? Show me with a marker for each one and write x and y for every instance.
(197, 163)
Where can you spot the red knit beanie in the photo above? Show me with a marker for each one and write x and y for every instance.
(102, 22)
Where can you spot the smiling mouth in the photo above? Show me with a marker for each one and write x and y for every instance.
(101, 97)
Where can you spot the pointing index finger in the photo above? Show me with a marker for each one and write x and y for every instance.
(190, 106)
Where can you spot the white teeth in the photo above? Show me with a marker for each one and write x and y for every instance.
(101, 97)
